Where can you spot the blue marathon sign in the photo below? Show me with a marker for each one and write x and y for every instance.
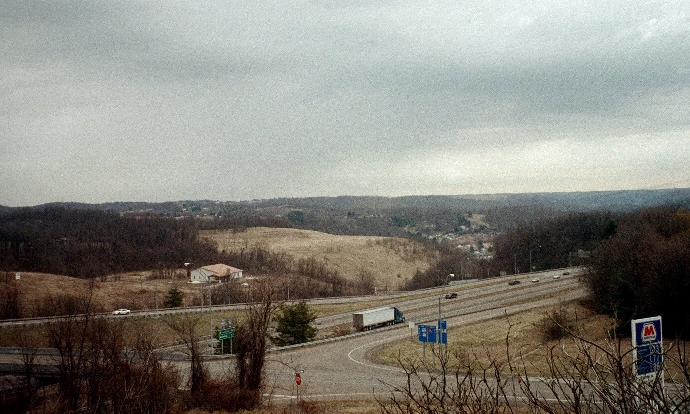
(647, 345)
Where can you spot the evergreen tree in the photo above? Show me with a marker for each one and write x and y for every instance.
(174, 298)
(295, 324)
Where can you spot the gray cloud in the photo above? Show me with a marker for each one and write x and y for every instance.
(103, 101)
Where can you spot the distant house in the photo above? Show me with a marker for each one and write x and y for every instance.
(214, 273)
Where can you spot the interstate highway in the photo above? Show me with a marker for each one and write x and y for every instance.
(340, 369)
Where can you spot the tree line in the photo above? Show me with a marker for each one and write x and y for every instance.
(92, 243)
(551, 243)
(106, 366)
(642, 269)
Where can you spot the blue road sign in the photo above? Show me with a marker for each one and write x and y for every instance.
(442, 333)
(647, 345)
(426, 333)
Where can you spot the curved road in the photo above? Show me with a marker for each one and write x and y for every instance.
(340, 369)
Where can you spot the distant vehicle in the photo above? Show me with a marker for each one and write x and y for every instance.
(514, 282)
(376, 318)
(451, 295)
(566, 273)
(121, 312)
(556, 276)
(535, 280)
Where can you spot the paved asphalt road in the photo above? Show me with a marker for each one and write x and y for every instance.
(342, 370)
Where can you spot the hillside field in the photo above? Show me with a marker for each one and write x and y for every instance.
(390, 260)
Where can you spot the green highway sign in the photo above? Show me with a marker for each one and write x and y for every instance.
(226, 333)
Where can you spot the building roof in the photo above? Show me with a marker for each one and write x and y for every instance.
(221, 269)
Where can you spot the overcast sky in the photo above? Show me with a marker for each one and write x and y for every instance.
(238, 100)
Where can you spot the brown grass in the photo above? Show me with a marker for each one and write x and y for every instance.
(486, 341)
(390, 260)
(130, 290)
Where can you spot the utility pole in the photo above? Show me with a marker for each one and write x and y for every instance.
(210, 313)
(530, 260)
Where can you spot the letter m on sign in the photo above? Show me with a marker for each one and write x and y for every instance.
(648, 332)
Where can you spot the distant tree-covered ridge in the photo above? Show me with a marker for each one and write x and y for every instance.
(89, 243)
(431, 215)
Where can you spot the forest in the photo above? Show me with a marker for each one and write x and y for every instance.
(642, 268)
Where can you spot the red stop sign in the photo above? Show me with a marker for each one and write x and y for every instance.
(298, 378)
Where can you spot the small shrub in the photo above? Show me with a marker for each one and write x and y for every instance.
(556, 324)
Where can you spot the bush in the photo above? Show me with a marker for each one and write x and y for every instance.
(557, 324)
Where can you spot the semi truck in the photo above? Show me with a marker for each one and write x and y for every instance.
(375, 318)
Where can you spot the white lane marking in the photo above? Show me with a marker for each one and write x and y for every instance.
(384, 367)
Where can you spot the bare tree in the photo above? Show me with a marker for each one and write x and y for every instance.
(590, 377)
(583, 376)
(469, 387)
(69, 336)
(252, 337)
(99, 372)
(186, 329)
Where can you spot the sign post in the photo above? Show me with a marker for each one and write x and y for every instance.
(298, 381)
(648, 358)
(648, 351)
(426, 333)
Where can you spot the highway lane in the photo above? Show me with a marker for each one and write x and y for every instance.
(342, 369)
(482, 291)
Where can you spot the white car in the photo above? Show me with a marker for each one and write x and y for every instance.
(556, 276)
(121, 312)
(535, 280)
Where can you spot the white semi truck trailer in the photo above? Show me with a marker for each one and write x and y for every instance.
(375, 318)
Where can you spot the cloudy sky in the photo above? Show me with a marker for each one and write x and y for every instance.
(237, 100)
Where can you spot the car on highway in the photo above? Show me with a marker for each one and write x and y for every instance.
(514, 282)
(535, 280)
(121, 312)
(556, 276)
(452, 295)
(566, 273)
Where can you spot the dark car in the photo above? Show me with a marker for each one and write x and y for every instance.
(451, 295)
(514, 282)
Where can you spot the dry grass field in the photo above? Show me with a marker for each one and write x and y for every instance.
(518, 336)
(130, 290)
(390, 260)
